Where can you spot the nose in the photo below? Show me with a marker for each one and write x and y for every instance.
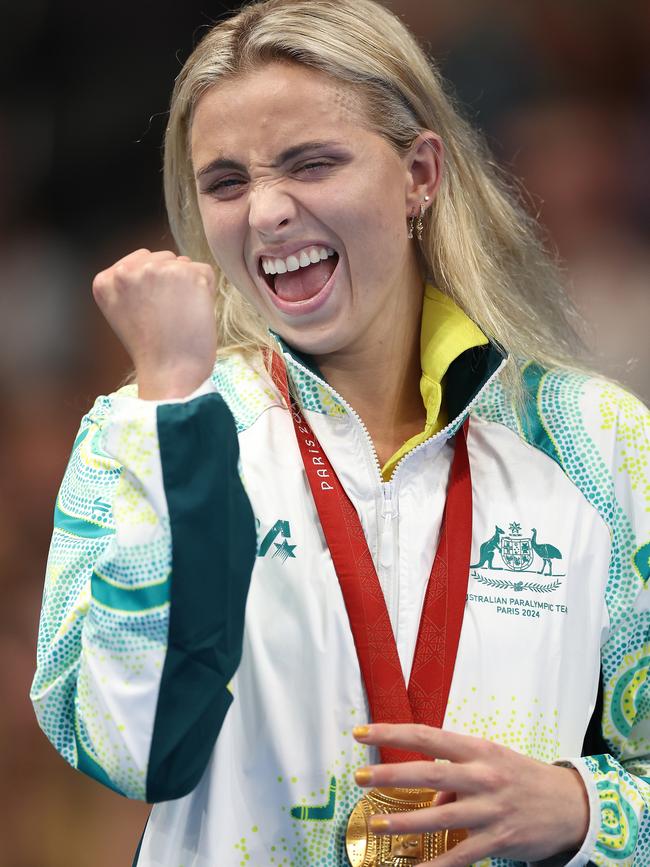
(270, 209)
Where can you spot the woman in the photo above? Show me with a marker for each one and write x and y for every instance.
(241, 572)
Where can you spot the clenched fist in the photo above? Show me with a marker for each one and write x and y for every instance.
(161, 306)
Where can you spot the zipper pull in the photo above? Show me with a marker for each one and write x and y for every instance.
(387, 499)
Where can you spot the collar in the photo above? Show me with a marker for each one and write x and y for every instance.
(446, 334)
(457, 361)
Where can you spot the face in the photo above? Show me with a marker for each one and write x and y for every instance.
(291, 182)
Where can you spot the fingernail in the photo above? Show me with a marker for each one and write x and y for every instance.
(361, 731)
(363, 776)
(378, 825)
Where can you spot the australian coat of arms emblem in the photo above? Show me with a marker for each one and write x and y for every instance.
(517, 553)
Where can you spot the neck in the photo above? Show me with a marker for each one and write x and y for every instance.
(380, 379)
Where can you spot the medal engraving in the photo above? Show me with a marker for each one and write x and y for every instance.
(366, 849)
(407, 846)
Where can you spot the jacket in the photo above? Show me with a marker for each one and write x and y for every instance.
(195, 651)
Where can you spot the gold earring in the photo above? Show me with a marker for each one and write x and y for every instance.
(419, 224)
(411, 225)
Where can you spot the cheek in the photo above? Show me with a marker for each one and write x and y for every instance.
(376, 234)
(223, 237)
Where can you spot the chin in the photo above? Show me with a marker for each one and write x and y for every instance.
(316, 340)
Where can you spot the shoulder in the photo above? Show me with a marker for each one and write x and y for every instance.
(587, 410)
(593, 428)
(565, 403)
(599, 434)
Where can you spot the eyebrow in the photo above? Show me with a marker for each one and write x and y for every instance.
(284, 157)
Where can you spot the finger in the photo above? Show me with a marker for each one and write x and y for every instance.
(208, 272)
(132, 258)
(421, 739)
(137, 257)
(444, 797)
(158, 257)
(469, 813)
(474, 848)
(202, 273)
(428, 775)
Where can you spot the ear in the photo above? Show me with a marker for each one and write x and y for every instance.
(424, 162)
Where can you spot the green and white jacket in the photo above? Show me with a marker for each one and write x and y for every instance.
(195, 650)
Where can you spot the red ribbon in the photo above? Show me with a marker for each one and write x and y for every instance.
(425, 701)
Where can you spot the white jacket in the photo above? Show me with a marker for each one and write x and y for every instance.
(150, 680)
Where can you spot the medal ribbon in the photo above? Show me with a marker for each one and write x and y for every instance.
(425, 700)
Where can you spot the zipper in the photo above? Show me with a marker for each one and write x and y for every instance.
(454, 422)
(388, 539)
(355, 415)
(391, 593)
(371, 445)
(387, 499)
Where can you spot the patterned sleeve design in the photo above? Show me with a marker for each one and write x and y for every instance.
(622, 778)
(600, 436)
(118, 591)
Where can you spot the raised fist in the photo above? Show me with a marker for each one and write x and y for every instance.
(161, 306)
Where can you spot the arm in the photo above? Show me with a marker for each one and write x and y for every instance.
(143, 611)
(152, 552)
(619, 781)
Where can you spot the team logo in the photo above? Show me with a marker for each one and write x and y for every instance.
(276, 542)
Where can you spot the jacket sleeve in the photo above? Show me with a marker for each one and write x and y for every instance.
(618, 782)
(143, 609)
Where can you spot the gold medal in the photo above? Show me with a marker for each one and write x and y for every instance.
(367, 849)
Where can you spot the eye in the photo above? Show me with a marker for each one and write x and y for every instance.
(224, 186)
(313, 166)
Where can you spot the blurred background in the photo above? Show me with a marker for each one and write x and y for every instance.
(561, 89)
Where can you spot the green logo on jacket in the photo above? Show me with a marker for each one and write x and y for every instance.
(282, 549)
(517, 553)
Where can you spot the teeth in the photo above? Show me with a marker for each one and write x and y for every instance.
(302, 259)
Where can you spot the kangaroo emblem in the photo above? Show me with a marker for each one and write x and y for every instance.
(488, 548)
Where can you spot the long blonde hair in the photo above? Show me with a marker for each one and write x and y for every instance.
(479, 245)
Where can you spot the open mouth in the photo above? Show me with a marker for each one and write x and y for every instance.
(302, 282)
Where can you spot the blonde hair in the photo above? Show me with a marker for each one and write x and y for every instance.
(479, 245)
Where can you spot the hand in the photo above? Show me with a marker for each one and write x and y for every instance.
(512, 806)
(161, 306)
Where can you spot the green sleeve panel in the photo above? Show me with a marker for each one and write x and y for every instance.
(143, 608)
(213, 552)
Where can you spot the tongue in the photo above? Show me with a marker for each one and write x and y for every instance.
(305, 282)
